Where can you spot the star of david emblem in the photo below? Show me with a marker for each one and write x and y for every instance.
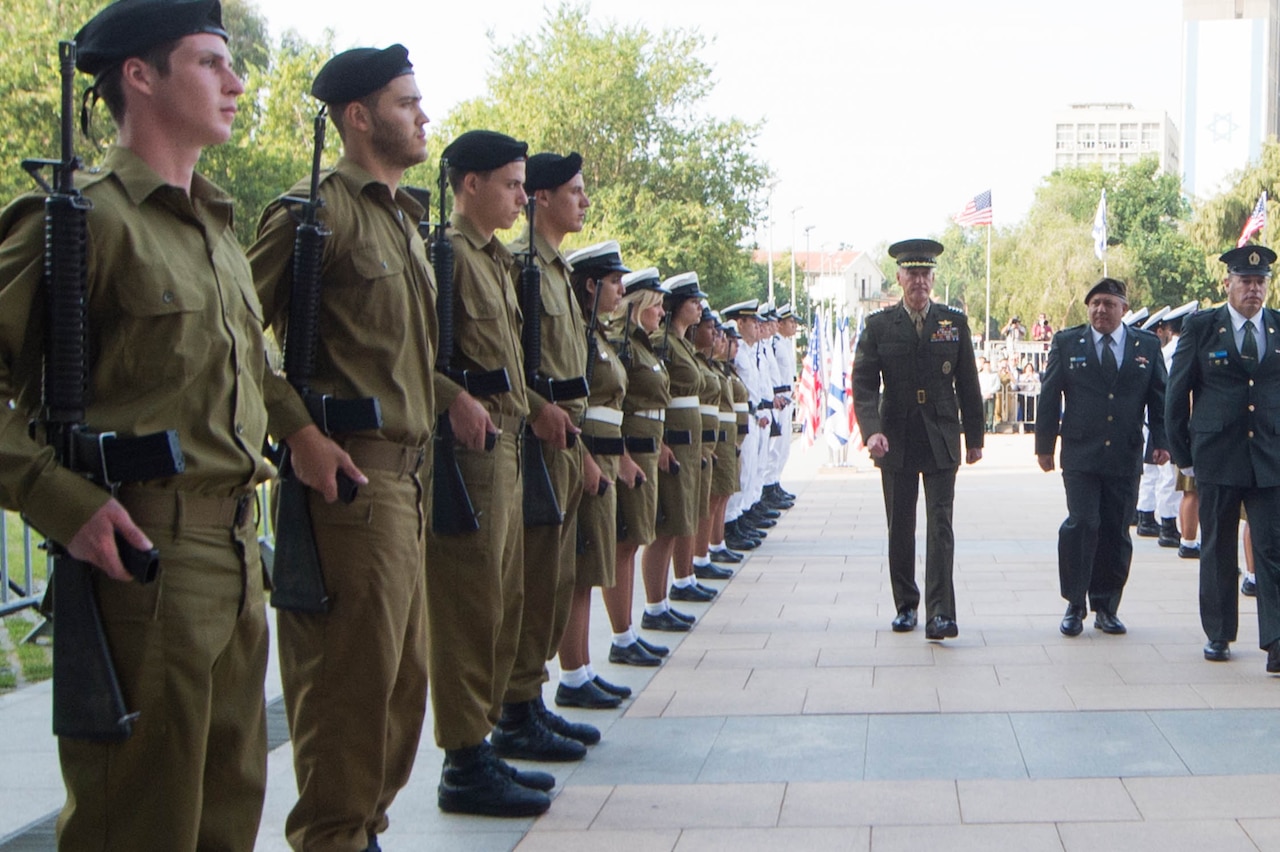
(1222, 127)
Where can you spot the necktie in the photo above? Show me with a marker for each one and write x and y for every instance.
(1249, 349)
(918, 319)
(1109, 365)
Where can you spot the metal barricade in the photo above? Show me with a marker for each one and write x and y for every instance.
(18, 588)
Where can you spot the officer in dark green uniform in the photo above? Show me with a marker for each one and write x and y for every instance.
(923, 353)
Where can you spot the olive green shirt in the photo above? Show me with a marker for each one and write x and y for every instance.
(377, 310)
(564, 332)
(648, 386)
(486, 318)
(682, 365)
(175, 336)
(608, 376)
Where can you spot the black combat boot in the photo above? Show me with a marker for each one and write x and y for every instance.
(1169, 535)
(522, 734)
(1147, 526)
(473, 781)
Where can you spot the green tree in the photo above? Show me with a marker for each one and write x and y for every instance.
(677, 188)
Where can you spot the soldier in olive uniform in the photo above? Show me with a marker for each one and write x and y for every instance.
(176, 332)
(355, 678)
(474, 580)
(527, 729)
(923, 353)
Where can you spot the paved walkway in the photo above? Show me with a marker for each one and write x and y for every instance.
(792, 718)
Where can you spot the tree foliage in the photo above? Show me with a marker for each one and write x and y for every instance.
(677, 188)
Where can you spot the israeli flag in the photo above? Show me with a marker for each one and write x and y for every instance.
(1100, 228)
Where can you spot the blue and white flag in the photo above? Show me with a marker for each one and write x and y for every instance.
(1100, 228)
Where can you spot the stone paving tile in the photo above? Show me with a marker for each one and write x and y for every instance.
(576, 807)
(1058, 674)
(646, 751)
(765, 701)
(1230, 696)
(1226, 741)
(1130, 697)
(942, 746)
(847, 699)
(765, 658)
(1004, 699)
(969, 838)
(642, 806)
(1045, 800)
(657, 839)
(1265, 833)
(839, 656)
(774, 839)
(1091, 745)
(899, 677)
(1206, 797)
(873, 803)
(810, 678)
(1218, 835)
(785, 749)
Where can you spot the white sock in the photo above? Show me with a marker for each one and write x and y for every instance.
(1248, 575)
(657, 608)
(575, 677)
(701, 561)
(684, 582)
(622, 640)
(718, 545)
(591, 673)
(1188, 542)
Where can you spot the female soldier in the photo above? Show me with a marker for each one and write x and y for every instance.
(644, 413)
(678, 489)
(597, 284)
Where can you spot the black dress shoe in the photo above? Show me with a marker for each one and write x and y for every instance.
(740, 543)
(1189, 551)
(683, 616)
(1073, 622)
(474, 781)
(759, 525)
(580, 731)
(658, 651)
(711, 572)
(1273, 657)
(612, 688)
(725, 557)
(588, 697)
(664, 621)
(532, 739)
(1249, 588)
(905, 620)
(760, 510)
(632, 655)
(531, 778)
(691, 594)
(1217, 651)
(1108, 623)
(941, 627)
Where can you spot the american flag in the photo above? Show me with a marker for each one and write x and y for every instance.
(976, 212)
(1257, 220)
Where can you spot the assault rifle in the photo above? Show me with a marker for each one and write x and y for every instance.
(541, 508)
(87, 701)
(297, 582)
(452, 511)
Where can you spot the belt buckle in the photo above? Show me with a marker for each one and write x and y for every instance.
(243, 504)
(920, 397)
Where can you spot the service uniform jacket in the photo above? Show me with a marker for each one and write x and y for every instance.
(648, 393)
(1101, 421)
(932, 376)
(1221, 420)
(175, 342)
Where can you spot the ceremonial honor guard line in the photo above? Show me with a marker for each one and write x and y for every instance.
(792, 717)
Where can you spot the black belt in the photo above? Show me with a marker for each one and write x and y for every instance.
(603, 446)
(482, 382)
(744, 428)
(641, 445)
(708, 436)
(559, 390)
(677, 437)
(722, 436)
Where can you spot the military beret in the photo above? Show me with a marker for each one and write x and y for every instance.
(132, 27)
(548, 171)
(1110, 287)
(684, 286)
(483, 151)
(643, 279)
(1249, 260)
(745, 309)
(916, 253)
(360, 71)
(601, 258)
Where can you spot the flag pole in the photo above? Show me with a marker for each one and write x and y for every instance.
(986, 329)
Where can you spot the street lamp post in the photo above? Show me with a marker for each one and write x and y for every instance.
(807, 296)
(794, 210)
(772, 184)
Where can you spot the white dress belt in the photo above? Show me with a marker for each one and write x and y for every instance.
(709, 410)
(683, 402)
(659, 414)
(604, 414)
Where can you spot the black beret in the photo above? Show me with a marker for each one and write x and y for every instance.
(1110, 287)
(483, 151)
(916, 253)
(360, 71)
(1249, 260)
(548, 171)
(132, 27)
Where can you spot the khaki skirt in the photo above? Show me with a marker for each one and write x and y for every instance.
(678, 494)
(638, 507)
(598, 516)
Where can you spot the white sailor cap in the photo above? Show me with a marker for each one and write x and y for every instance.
(1182, 311)
(643, 279)
(742, 309)
(601, 258)
(684, 286)
(785, 312)
(1131, 316)
(1155, 319)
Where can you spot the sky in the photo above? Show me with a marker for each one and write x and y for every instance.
(882, 118)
